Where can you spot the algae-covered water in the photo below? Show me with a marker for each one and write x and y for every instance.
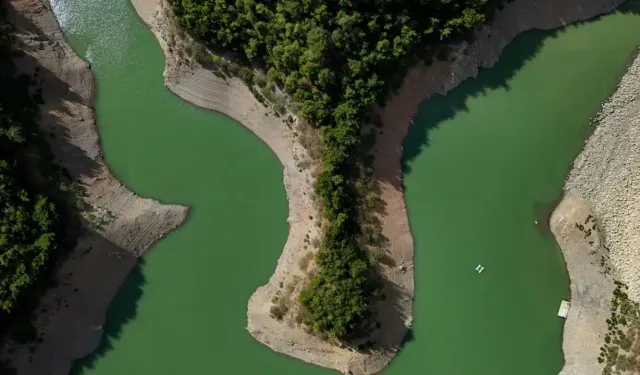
(481, 164)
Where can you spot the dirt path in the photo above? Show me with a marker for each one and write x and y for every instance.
(71, 315)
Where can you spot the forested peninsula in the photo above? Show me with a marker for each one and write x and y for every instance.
(335, 60)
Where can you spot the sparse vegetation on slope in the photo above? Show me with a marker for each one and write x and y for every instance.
(335, 59)
(622, 342)
(32, 223)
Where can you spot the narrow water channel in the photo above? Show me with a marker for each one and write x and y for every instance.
(479, 163)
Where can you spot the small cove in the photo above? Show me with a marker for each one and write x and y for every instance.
(478, 163)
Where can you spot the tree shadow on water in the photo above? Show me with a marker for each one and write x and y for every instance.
(408, 337)
(122, 310)
(440, 108)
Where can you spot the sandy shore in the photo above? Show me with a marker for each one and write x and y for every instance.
(70, 317)
(605, 183)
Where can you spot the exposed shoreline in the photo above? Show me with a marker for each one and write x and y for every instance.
(118, 227)
(604, 182)
(396, 312)
(68, 336)
(439, 78)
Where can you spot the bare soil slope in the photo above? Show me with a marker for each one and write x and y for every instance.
(604, 183)
(118, 225)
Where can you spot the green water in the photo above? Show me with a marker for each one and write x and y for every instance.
(481, 165)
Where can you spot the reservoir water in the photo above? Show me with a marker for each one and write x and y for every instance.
(481, 165)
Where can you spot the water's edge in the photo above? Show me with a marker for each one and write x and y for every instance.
(441, 77)
(69, 95)
(484, 53)
(599, 257)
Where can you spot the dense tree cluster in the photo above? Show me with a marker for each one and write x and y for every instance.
(29, 220)
(336, 59)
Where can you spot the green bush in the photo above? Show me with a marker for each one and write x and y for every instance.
(258, 95)
(260, 80)
(246, 75)
(200, 54)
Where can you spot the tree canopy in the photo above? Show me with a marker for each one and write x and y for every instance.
(336, 59)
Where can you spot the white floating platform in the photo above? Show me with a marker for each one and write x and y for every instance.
(563, 311)
(480, 268)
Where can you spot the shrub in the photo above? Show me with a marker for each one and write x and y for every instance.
(246, 75)
(276, 312)
(260, 80)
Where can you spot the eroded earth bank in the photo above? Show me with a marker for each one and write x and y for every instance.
(118, 226)
(74, 331)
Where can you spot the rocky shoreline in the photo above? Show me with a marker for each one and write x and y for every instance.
(439, 78)
(118, 226)
(604, 184)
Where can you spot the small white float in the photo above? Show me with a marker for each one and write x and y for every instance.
(480, 268)
(563, 311)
